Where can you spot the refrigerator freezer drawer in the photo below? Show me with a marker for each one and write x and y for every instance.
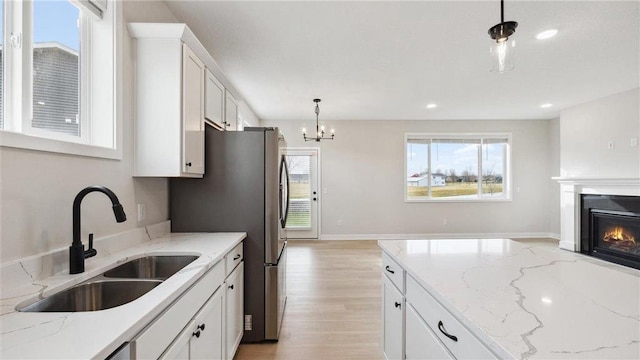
(275, 296)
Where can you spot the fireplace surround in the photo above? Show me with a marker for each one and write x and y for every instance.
(572, 190)
(610, 228)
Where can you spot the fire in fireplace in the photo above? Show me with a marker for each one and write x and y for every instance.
(610, 228)
(619, 238)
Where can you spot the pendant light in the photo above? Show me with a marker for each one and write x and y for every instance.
(319, 129)
(502, 48)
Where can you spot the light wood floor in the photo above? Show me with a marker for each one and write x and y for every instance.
(333, 306)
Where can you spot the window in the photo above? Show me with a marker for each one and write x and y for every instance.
(459, 167)
(58, 85)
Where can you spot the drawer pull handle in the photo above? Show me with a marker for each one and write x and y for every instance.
(398, 304)
(389, 269)
(196, 334)
(442, 330)
(237, 257)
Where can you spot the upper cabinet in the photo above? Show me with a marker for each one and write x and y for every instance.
(214, 100)
(178, 87)
(231, 112)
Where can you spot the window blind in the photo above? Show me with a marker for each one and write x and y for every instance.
(95, 7)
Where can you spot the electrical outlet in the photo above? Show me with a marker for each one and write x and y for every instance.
(610, 145)
(142, 212)
(340, 222)
(248, 322)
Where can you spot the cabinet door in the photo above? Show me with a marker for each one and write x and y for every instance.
(214, 100)
(231, 112)
(192, 112)
(209, 324)
(234, 298)
(179, 348)
(421, 343)
(393, 321)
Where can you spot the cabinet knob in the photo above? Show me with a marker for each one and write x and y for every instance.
(188, 164)
(201, 327)
(398, 304)
(196, 334)
(231, 286)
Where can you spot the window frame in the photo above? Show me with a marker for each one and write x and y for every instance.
(95, 113)
(507, 176)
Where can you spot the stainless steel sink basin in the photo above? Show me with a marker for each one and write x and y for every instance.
(93, 295)
(151, 267)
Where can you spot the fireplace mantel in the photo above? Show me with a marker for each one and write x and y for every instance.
(570, 190)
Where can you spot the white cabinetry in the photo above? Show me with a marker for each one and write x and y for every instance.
(234, 312)
(234, 299)
(231, 112)
(421, 343)
(169, 122)
(424, 329)
(205, 322)
(202, 337)
(214, 100)
(393, 321)
(393, 309)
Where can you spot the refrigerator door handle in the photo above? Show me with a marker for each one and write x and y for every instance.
(284, 187)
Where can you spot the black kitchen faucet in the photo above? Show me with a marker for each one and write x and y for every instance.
(77, 254)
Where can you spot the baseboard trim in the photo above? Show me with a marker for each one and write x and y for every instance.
(554, 236)
(437, 236)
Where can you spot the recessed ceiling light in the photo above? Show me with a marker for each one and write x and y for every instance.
(547, 105)
(547, 34)
(432, 106)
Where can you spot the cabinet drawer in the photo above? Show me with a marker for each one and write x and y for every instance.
(393, 271)
(233, 258)
(156, 337)
(421, 342)
(467, 345)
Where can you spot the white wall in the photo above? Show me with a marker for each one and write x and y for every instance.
(586, 129)
(363, 171)
(38, 188)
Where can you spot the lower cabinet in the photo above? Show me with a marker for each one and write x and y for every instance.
(416, 326)
(393, 321)
(234, 312)
(202, 337)
(421, 343)
(205, 322)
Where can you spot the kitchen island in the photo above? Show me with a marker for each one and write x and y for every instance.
(518, 300)
(97, 334)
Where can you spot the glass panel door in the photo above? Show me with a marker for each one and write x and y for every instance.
(303, 191)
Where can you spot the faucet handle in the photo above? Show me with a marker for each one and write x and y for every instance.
(90, 252)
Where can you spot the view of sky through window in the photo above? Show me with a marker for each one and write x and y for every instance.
(56, 21)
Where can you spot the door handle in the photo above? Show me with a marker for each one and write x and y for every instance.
(314, 199)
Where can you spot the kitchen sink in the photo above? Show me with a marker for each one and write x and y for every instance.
(158, 267)
(93, 295)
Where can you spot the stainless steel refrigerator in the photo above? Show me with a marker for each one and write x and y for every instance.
(245, 188)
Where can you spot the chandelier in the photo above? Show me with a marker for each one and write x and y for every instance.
(502, 49)
(319, 129)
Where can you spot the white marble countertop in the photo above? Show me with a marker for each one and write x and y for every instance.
(86, 335)
(526, 301)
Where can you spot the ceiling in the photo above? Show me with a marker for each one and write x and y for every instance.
(388, 60)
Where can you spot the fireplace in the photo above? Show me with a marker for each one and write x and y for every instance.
(610, 228)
